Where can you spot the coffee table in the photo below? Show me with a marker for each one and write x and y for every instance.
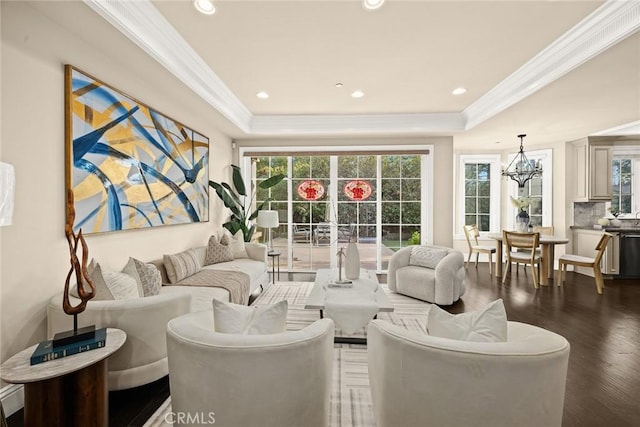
(317, 297)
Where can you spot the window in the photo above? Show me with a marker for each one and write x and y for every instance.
(480, 191)
(393, 214)
(538, 189)
(626, 181)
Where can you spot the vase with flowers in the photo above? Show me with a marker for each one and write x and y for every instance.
(615, 222)
(522, 218)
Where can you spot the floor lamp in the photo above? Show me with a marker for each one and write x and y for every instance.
(268, 219)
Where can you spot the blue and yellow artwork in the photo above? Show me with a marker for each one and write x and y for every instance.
(129, 166)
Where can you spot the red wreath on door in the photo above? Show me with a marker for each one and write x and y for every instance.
(358, 190)
(311, 190)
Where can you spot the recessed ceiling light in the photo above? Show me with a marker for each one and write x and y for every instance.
(459, 91)
(357, 94)
(262, 95)
(339, 84)
(372, 4)
(204, 6)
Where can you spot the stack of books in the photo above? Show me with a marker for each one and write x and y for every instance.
(46, 351)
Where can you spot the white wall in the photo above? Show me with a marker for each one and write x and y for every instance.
(34, 253)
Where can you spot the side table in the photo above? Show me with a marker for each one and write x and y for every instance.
(71, 391)
(274, 255)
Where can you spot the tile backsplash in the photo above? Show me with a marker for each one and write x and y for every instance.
(588, 213)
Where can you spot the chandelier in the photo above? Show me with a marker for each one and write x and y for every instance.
(522, 169)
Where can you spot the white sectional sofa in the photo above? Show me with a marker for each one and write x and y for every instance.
(201, 296)
(143, 357)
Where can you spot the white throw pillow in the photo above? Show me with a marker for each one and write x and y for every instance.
(110, 285)
(147, 277)
(230, 318)
(121, 285)
(181, 265)
(236, 242)
(486, 325)
(218, 251)
(426, 256)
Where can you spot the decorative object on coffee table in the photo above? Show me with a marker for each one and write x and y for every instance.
(340, 280)
(86, 288)
(352, 262)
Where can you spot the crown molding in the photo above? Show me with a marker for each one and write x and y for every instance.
(609, 24)
(143, 24)
(356, 124)
(632, 128)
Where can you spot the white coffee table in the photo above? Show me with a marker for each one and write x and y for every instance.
(317, 297)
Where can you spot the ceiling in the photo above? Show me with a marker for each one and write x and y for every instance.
(551, 69)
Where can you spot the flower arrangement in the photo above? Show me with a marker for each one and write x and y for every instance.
(613, 211)
(521, 203)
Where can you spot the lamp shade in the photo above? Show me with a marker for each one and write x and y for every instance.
(268, 219)
(7, 191)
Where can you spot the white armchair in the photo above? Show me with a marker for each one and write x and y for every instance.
(143, 357)
(250, 380)
(417, 379)
(443, 285)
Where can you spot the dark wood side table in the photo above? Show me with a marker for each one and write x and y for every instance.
(275, 256)
(72, 391)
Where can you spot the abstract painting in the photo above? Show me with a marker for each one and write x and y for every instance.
(129, 166)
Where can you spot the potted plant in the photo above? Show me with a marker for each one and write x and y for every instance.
(235, 198)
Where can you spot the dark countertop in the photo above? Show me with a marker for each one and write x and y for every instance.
(624, 228)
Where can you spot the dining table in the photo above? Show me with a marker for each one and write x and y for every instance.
(547, 253)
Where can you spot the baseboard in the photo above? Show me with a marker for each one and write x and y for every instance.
(12, 397)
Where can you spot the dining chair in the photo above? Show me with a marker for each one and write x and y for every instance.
(471, 233)
(542, 230)
(529, 241)
(583, 261)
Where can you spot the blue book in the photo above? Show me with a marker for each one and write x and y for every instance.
(45, 350)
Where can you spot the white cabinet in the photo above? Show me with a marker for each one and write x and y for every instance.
(592, 170)
(584, 243)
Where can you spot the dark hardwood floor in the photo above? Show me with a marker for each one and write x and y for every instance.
(603, 380)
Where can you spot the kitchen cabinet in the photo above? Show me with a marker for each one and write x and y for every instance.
(592, 166)
(584, 243)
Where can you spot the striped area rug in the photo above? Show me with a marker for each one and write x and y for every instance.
(350, 398)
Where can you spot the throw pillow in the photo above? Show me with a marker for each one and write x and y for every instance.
(181, 265)
(486, 325)
(147, 277)
(110, 285)
(426, 256)
(120, 285)
(218, 251)
(236, 242)
(90, 268)
(229, 318)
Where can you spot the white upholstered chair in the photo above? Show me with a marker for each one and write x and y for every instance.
(250, 380)
(420, 380)
(443, 285)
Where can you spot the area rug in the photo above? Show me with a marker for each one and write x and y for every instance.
(350, 397)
